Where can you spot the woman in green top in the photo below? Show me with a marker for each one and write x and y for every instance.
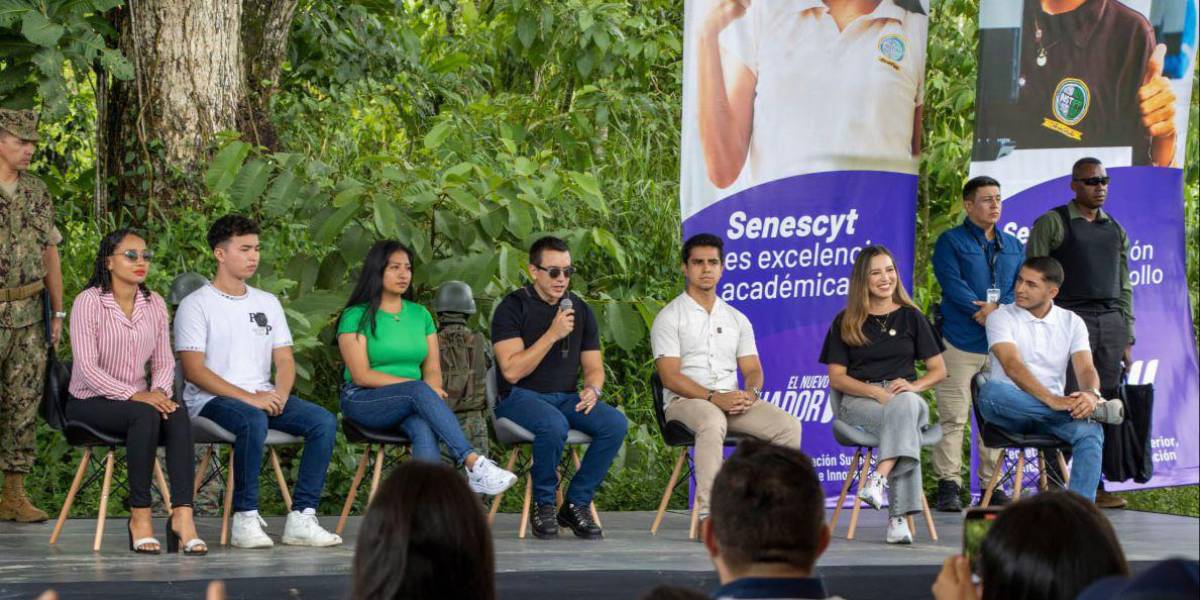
(393, 367)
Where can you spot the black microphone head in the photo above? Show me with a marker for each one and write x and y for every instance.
(565, 304)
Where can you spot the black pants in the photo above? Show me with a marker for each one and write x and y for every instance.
(144, 429)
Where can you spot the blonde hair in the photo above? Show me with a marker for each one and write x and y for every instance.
(858, 301)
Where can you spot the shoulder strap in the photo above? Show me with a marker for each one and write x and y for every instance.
(1065, 215)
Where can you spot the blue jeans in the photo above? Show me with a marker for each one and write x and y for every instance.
(549, 417)
(1010, 408)
(412, 406)
(316, 425)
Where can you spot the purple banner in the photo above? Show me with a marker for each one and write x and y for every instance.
(790, 248)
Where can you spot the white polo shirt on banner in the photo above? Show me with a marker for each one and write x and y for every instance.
(707, 344)
(829, 100)
(1046, 345)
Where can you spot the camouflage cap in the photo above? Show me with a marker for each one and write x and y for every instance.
(21, 123)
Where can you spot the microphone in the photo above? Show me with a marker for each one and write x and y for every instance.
(564, 305)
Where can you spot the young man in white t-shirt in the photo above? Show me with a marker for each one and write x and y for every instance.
(1032, 343)
(228, 336)
(700, 345)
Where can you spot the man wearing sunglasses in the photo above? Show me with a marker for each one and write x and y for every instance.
(1094, 251)
(29, 269)
(541, 343)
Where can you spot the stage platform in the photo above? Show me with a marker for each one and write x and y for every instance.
(626, 564)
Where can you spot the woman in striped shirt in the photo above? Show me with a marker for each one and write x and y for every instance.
(118, 326)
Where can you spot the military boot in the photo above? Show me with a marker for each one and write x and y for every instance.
(15, 505)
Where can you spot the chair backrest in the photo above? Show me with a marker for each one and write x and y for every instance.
(491, 390)
(177, 386)
(835, 401)
(660, 414)
(976, 383)
(53, 407)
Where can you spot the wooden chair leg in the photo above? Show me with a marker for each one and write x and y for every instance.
(66, 508)
(991, 486)
(592, 505)
(558, 491)
(1042, 470)
(377, 473)
(1062, 465)
(228, 505)
(162, 485)
(104, 491)
(512, 462)
(666, 497)
(358, 477)
(1020, 476)
(525, 506)
(912, 526)
(283, 486)
(202, 471)
(850, 474)
(928, 518)
(862, 479)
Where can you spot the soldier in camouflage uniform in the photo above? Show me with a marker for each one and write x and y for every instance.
(464, 357)
(29, 267)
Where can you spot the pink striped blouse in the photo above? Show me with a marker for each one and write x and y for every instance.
(111, 351)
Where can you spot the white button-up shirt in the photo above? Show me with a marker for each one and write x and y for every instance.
(707, 344)
(1045, 345)
(829, 100)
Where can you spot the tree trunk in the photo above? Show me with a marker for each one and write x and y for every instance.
(187, 87)
(265, 27)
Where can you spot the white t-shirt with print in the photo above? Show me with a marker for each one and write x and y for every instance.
(237, 335)
(829, 100)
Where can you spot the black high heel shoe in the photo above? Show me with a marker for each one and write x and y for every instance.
(193, 547)
(138, 548)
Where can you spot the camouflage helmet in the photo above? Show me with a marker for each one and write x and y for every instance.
(21, 123)
(184, 284)
(454, 296)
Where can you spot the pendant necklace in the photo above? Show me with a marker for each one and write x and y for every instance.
(883, 324)
(1038, 38)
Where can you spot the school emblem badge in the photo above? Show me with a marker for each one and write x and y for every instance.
(891, 50)
(1069, 104)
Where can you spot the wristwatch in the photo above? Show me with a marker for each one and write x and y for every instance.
(596, 391)
(1095, 392)
(710, 395)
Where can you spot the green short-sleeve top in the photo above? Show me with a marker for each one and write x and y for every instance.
(398, 346)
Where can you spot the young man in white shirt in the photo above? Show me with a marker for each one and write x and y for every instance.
(228, 336)
(700, 344)
(1032, 342)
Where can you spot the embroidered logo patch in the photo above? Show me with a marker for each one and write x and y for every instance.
(891, 47)
(1071, 100)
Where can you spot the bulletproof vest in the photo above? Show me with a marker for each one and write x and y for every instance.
(464, 367)
(1090, 254)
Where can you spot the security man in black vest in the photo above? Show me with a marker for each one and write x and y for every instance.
(1094, 251)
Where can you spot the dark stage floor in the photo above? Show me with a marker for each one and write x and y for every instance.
(624, 565)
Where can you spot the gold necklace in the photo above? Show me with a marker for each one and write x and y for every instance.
(883, 324)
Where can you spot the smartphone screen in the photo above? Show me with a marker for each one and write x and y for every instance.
(976, 524)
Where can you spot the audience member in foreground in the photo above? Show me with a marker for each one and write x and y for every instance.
(1048, 547)
(767, 526)
(394, 370)
(674, 592)
(1171, 579)
(871, 350)
(119, 332)
(424, 536)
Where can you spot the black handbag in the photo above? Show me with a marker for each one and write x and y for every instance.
(58, 378)
(1127, 453)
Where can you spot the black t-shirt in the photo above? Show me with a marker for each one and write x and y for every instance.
(523, 314)
(887, 356)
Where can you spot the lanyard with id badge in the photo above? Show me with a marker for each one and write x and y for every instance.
(993, 292)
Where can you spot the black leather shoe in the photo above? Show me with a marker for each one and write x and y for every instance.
(579, 519)
(948, 499)
(999, 498)
(544, 523)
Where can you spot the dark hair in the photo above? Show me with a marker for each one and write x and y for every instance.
(703, 240)
(229, 226)
(369, 289)
(674, 592)
(1083, 162)
(768, 506)
(424, 536)
(976, 183)
(1048, 266)
(545, 243)
(101, 276)
(1048, 547)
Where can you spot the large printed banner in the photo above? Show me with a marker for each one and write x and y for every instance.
(800, 147)
(1094, 81)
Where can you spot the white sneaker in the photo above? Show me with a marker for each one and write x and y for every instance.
(488, 478)
(302, 529)
(872, 493)
(897, 532)
(247, 531)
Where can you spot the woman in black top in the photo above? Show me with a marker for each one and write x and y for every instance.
(871, 350)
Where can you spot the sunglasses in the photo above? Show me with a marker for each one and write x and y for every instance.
(556, 272)
(132, 255)
(1093, 181)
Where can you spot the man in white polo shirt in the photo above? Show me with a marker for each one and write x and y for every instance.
(700, 344)
(1032, 342)
(804, 86)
